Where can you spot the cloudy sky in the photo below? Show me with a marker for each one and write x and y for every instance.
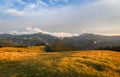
(71, 16)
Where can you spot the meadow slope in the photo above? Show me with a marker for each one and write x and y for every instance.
(35, 62)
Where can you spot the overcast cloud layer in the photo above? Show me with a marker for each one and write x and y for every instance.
(71, 16)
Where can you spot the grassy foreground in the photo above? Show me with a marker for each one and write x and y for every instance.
(34, 62)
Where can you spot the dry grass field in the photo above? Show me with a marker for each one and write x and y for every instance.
(35, 62)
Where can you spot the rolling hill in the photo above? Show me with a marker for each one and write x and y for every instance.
(34, 62)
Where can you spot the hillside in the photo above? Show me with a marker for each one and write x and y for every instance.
(83, 41)
(34, 62)
(6, 43)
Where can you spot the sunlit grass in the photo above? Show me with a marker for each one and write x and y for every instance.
(35, 62)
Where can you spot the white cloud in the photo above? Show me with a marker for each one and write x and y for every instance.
(1, 32)
(101, 16)
(14, 12)
(32, 6)
(31, 30)
(53, 1)
(56, 1)
(41, 3)
(63, 34)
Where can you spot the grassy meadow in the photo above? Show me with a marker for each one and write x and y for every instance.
(35, 62)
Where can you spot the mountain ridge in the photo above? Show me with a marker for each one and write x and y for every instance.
(83, 41)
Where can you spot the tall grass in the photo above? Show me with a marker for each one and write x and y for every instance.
(34, 62)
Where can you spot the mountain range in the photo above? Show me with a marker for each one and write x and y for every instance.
(83, 41)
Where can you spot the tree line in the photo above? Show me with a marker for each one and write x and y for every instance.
(114, 48)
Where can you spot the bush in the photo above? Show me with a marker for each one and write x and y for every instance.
(56, 47)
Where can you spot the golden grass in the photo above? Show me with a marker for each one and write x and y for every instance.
(96, 63)
(34, 62)
(14, 54)
(28, 49)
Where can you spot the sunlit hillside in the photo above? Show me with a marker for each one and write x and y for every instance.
(35, 62)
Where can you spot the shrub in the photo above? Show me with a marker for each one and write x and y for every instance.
(56, 47)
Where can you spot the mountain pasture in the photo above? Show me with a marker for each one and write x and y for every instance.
(35, 62)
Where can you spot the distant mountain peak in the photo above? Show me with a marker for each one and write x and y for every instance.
(30, 30)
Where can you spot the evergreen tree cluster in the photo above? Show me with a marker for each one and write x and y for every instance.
(114, 48)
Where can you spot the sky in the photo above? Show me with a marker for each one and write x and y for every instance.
(60, 16)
